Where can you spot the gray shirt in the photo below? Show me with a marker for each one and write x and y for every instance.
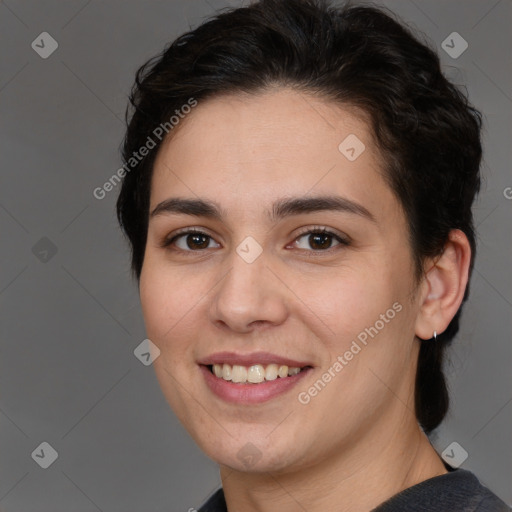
(456, 491)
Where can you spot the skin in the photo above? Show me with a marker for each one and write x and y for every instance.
(357, 442)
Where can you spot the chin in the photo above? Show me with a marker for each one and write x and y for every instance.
(253, 453)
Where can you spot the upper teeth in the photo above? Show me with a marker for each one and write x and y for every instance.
(254, 374)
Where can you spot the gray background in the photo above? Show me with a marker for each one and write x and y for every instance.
(70, 321)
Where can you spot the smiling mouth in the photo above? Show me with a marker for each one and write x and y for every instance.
(254, 374)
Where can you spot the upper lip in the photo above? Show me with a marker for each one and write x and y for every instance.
(263, 358)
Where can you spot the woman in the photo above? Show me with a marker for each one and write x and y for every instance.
(297, 193)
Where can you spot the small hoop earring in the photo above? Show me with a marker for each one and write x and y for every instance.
(435, 335)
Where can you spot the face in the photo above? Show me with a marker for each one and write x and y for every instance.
(294, 256)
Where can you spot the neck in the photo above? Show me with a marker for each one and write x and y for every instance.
(354, 479)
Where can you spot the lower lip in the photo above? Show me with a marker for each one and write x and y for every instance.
(250, 393)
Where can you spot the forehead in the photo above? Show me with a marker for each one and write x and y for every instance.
(245, 150)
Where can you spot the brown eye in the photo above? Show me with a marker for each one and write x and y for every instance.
(320, 240)
(189, 241)
(197, 241)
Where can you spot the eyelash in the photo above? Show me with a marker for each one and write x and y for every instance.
(317, 230)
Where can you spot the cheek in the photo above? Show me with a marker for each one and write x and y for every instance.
(346, 302)
(169, 306)
(364, 317)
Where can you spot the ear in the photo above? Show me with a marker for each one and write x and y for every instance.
(443, 286)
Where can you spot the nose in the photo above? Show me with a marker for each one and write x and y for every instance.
(251, 295)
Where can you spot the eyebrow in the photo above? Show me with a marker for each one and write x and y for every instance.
(280, 209)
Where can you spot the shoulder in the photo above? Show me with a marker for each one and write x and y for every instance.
(459, 490)
(216, 503)
(456, 491)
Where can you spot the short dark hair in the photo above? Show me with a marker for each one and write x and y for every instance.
(361, 56)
